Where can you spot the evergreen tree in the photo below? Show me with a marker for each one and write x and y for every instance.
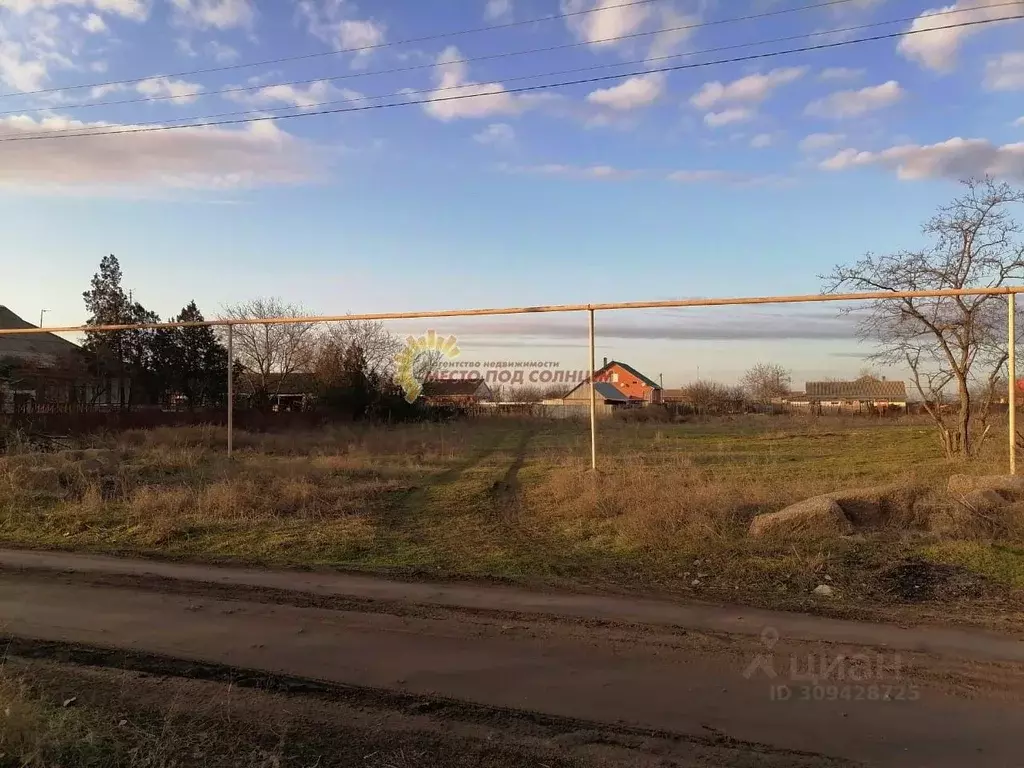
(124, 355)
(190, 361)
(108, 304)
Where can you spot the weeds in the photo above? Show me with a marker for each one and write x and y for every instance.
(500, 498)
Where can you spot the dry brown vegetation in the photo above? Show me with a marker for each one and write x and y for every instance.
(502, 498)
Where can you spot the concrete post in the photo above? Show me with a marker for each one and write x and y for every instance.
(593, 398)
(231, 389)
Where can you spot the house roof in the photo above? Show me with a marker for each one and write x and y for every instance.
(38, 347)
(605, 390)
(632, 370)
(452, 387)
(861, 389)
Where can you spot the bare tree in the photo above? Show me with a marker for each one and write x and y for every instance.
(379, 345)
(271, 353)
(766, 381)
(956, 342)
(711, 396)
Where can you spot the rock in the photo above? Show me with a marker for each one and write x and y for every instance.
(43, 479)
(877, 506)
(823, 590)
(92, 466)
(102, 454)
(1008, 486)
(984, 501)
(817, 516)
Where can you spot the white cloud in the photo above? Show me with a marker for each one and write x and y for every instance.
(841, 73)
(185, 47)
(846, 104)
(99, 91)
(816, 142)
(955, 158)
(18, 71)
(331, 22)
(762, 140)
(478, 99)
(675, 29)
(94, 24)
(39, 36)
(497, 135)
(749, 89)
(295, 96)
(596, 172)
(360, 33)
(635, 92)
(728, 117)
(136, 10)
(220, 52)
(732, 178)
(498, 10)
(179, 91)
(1019, 121)
(218, 14)
(699, 176)
(1005, 72)
(606, 21)
(188, 158)
(938, 49)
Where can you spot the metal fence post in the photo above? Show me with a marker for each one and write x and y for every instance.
(231, 388)
(593, 399)
(1011, 370)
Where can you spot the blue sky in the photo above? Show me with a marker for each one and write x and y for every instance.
(731, 179)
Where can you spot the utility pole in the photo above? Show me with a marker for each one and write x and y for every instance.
(41, 313)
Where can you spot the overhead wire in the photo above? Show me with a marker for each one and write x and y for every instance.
(439, 89)
(356, 49)
(430, 65)
(75, 133)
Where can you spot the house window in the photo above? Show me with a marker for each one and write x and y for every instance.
(615, 378)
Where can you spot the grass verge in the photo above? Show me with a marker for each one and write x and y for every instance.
(514, 500)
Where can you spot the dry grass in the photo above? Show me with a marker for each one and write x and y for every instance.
(502, 498)
(115, 718)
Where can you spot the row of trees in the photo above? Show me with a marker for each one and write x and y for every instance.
(349, 366)
(146, 365)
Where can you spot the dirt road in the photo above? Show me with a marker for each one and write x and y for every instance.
(649, 680)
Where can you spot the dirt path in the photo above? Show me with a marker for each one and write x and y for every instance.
(607, 669)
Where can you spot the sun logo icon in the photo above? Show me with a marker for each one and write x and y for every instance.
(420, 352)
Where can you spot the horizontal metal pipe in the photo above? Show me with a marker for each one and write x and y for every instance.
(668, 304)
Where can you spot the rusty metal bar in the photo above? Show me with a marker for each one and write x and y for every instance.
(668, 304)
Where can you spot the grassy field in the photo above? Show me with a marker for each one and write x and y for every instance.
(668, 510)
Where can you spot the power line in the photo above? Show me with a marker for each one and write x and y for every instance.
(512, 91)
(359, 49)
(590, 68)
(486, 57)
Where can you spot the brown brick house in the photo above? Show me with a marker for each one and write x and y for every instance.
(629, 381)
